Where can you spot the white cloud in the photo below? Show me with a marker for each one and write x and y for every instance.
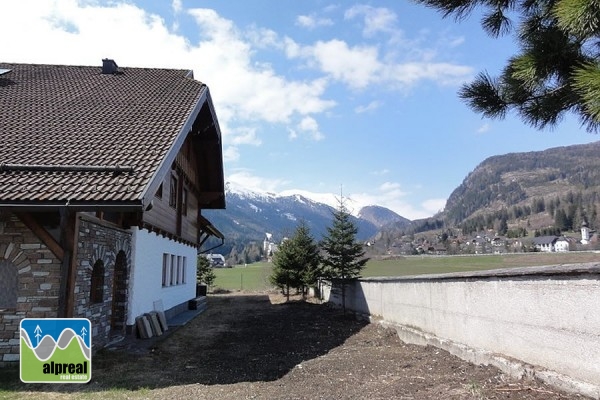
(310, 126)
(483, 128)
(391, 187)
(372, 106)
(433, 206)
(292, 134)
(356, 66)
(257, 92)
(381, 172)
(177, 6)
(246, 179)
(312, 22)
(362, 66)
(263, 38)
(244, 135)
(231, 154)
(375, 19)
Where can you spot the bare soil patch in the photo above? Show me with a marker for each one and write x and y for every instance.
(255, 346)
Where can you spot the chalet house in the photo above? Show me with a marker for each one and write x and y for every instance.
(104, 172)
(545, 243)
(498, 245)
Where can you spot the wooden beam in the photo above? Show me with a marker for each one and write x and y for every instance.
(72, 278)
(67, 234)
(43, 234)
(179, 205)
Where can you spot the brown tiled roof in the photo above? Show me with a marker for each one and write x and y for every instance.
(60, 125)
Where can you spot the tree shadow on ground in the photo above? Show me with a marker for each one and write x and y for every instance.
(239, 338)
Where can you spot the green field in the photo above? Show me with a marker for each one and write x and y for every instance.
(255, 277)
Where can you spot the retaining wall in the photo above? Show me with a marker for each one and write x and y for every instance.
(542, 322)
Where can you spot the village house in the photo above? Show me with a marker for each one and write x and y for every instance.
(104, 172)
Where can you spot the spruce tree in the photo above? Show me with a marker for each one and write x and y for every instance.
(296, 262)
(285, 273)
(308, 257)
(557, 67)
(343, 255)
(204, 271)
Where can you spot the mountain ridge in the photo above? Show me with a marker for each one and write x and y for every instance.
(250, 215)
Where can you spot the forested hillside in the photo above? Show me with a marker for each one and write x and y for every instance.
(564, 182)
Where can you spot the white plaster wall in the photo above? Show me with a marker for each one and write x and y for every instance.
(542, 319)
(146, 273)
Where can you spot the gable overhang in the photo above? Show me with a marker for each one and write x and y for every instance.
(31, 206)
(212, 195)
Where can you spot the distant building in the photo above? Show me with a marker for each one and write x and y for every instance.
(216, 260)
(562, 244)
(585, 233)
(551, 244)
(545, 243)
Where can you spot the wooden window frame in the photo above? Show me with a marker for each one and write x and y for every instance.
(173, 189)
(184, 201)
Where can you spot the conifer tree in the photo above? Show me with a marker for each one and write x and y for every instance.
(308, 255)
(285, 273)
(296, 262)
(557, 67)
(204, 271)
(343, 255)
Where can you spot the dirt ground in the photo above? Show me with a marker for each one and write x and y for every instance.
(254, 346)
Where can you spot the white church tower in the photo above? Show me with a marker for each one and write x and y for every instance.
(585, 233)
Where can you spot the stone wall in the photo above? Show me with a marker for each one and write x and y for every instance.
(100, 241)
(38, 282)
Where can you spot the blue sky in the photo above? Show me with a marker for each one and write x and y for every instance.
(311, 95)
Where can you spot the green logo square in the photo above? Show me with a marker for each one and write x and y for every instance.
(56, 350)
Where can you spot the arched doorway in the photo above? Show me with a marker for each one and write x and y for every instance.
(119, 298)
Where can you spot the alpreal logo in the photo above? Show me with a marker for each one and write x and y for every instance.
(56, 350)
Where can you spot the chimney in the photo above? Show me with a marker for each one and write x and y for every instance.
(109, 66)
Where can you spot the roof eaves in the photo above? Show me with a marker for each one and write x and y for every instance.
(113, 206)
(148, 193)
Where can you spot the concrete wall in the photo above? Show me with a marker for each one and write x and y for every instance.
(547, 317)
(146, 274)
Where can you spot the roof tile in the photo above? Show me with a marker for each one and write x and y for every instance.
(54, 115)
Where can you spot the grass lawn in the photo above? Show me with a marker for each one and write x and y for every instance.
(255, 277)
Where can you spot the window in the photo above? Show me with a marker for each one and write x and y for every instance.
(165, 269)
(173, 192)
(97, 283)
(184, 202)
(159, 191)
(173, 270)
(184, 261)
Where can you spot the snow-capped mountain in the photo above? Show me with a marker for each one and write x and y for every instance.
(250, 215)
